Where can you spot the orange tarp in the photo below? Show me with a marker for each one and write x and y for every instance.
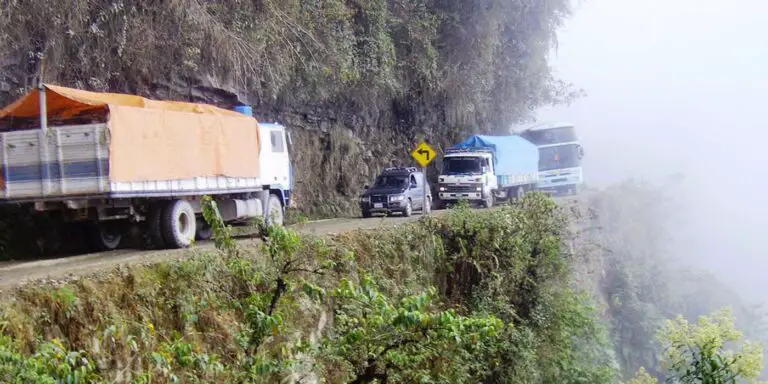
(158, 140)
(70, 101)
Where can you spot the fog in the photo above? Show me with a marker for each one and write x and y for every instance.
(679, 86)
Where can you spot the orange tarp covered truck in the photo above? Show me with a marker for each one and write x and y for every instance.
(104, 161)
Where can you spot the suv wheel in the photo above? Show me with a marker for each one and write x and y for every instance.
(408, 209)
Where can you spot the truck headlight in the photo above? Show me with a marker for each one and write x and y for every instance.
(479, 189)
(365, 199)
(442, 189)
(396, 198)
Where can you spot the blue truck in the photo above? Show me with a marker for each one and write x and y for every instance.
(485, 169)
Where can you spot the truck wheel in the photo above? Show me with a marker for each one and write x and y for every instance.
(104, 237)
(366, 214)
(519, 194)
(204, 230)
(154, 229)
(178, 224)
(408, 209)
(274, 211)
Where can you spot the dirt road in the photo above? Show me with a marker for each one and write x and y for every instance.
(18, 273)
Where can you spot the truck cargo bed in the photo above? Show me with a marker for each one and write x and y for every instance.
(517, 179)
(65, 161)
(73, 161)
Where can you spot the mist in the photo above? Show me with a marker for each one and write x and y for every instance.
(679, 88)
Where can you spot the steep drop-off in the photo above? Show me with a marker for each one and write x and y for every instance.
(358, 82)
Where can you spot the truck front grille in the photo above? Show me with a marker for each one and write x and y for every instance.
(463, 188)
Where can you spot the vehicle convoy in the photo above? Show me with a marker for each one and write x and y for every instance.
(103, 162)
(483, 169)
(397, 190)
(560, 156)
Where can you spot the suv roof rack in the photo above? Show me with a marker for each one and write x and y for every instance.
(406, 169)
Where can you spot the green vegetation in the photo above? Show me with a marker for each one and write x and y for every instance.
(697, 354)
(476, 296)
(645, 292)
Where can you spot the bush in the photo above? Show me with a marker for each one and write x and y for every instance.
(357, 307)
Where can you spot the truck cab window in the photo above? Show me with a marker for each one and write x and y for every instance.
(457, 165)
(277, 141)
(413, 180)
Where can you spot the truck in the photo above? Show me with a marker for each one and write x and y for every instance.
(101, 163)
(560, 157)
(484, 169)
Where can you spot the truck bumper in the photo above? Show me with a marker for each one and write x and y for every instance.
(451, 196)
(560, 190)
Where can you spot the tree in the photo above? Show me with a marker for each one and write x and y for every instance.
(696, 353)
(377, 339)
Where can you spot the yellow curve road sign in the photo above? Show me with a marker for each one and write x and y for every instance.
(423, 154)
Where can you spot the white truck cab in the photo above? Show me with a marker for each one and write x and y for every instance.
(467, 175)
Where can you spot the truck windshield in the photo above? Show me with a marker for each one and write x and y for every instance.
(391, 181)
(561, 156)
(462, 165)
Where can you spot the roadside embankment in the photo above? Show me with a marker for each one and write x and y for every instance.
(472, 296)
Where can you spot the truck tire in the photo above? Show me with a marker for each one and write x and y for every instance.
(366, 214)
(103, 237)
(488, 202)
(154, 227)
(275, 214)
(519, 194)
(204, 230)
(178, 224)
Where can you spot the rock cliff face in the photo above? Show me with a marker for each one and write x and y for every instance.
(359, 83)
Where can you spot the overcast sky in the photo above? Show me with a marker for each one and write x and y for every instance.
(679, 86)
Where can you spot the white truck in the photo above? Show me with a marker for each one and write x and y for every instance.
(102, 162)
(483, 169)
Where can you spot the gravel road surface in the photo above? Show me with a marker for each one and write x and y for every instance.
(18, 273)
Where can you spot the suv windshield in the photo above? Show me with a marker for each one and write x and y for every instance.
(462, 165)
(391, 181)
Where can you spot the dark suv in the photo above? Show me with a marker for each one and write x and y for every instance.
(397, 190)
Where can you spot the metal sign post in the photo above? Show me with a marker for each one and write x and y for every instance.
(424, 154)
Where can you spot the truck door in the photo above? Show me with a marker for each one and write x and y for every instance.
(281, 161)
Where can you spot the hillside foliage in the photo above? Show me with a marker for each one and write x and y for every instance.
(481, 61)
(644, 288)
(421, 303)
